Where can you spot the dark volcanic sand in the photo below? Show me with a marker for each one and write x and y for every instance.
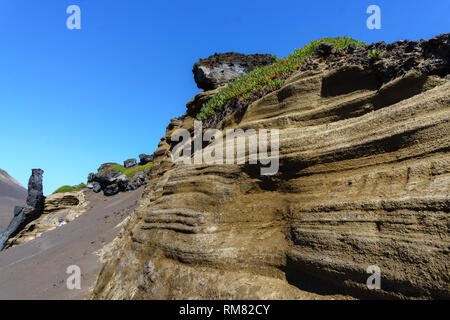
(37, 269)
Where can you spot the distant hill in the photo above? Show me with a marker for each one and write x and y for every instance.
(12, 194)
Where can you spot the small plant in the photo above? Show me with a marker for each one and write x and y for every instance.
(374, 54)
(246, 97)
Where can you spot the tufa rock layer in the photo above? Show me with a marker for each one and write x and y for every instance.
(59, 209)
(364, 180)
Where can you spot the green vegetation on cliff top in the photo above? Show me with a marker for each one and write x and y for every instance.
(269, 77)
(69, 188)
(130, 172)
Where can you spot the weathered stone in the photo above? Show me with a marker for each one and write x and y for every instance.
(129, 163)
(106, 175)
(122, 182)
(59, 207)
(221, 68)
(36, 197)
(97, 187)
(145, 158)
(91, 177)
(33, 210)
(111, 189)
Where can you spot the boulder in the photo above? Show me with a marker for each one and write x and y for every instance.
(96, 187)
(32, 211)
(145, 158)
(106, 176)
(111, 189)
(91, 177)
(122, 182)
(221, 68)
(36, 197)
(323, 50)
(129, 163)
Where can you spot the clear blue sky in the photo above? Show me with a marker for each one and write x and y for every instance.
(73, 99)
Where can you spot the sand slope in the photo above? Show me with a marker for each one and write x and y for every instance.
(12, 194)
(37, 269)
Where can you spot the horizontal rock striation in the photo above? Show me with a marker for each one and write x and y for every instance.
(59, 209)
(364, 180)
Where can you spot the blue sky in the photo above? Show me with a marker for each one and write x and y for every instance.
(73, 99)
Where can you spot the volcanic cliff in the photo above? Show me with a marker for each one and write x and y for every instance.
(363, 180)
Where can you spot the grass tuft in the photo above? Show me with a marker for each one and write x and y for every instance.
(270, 77)
(130, 172)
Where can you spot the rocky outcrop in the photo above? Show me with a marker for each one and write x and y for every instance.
(112, 181)
(221, 68)
(59, 209)
(32, 211)
(130, 163)
(363, 181)
(145, 158)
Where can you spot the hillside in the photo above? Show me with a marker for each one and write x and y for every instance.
(363, 180)
(12, 194)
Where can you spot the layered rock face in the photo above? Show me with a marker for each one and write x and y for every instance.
(221, 68)
(59, 209)
(364, 180)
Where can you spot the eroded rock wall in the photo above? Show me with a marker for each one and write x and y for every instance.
(364, 180)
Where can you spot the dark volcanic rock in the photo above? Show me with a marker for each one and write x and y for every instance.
(111, 189)
(221, 68)
(91, 177)
(113, 181)
(145, 158)
(106, 175)
(122, 182)
(323, 50)
(36, 197)
(33, 210)
(129, 163)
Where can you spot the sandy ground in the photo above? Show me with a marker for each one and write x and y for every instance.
(37, 269)
(11, 194)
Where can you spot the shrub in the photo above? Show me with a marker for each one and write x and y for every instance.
(80, 186)
(375, 53)
(270, 77)
(69, 188)
(64, 189)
